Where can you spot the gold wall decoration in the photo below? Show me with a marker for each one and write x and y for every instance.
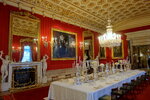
(26, 40)
(90, 14)
(118, 51)
(23, 25)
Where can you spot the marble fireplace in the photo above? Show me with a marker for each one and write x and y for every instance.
(23, 75)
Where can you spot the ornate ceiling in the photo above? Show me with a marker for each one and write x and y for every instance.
(91, 14)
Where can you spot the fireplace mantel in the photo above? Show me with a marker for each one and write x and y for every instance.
(18, 65)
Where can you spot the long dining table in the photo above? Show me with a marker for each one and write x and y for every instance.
(65, 89)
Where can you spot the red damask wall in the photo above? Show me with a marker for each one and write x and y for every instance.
(46, 24)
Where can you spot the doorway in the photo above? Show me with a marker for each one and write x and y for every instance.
(140, 56)
(88, 45)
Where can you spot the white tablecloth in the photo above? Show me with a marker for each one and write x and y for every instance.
(66, 90)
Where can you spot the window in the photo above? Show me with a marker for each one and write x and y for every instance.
(27, 57)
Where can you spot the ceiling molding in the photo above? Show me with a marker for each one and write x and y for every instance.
(137, 21)
(135, 43)
(138, 34)
(139, 37)
(52, 14)
(90, 14)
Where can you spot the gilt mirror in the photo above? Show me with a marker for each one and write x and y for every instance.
(23, 37)
(88, 45)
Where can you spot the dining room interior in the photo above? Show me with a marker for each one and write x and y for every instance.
(74, 49)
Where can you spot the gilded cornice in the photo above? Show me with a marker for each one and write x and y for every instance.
(89, 14)
(24, 24)
(55, 11)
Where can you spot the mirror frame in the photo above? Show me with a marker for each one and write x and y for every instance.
(24, 16)
(92, 34)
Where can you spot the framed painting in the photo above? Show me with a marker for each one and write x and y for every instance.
(118, 52)
(102, 53)
(63, 45)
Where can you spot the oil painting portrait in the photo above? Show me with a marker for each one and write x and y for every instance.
(63, 45)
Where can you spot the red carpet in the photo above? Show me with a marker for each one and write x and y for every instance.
(145, 95)
(33, 94)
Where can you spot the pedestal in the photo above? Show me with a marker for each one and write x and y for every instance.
(5, 86)
(44, 79)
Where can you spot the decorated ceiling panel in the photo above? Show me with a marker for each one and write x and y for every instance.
(91, 14)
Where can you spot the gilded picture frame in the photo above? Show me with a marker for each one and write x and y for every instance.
(102, 53)
(63, 45)
(118, 51)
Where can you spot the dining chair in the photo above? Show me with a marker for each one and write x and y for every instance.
(105, 97)
(116, 94)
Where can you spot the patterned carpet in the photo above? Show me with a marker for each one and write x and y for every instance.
(33, 94)
(145, 95)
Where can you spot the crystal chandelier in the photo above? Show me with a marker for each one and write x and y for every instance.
(109, 39)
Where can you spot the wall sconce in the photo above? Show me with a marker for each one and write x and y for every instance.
(35, 40)
(81, 45)
(36, 49)
(16, 49)
(45, 42)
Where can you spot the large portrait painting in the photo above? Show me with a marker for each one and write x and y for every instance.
(118, 52)
(102, 52)
(63, 45)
